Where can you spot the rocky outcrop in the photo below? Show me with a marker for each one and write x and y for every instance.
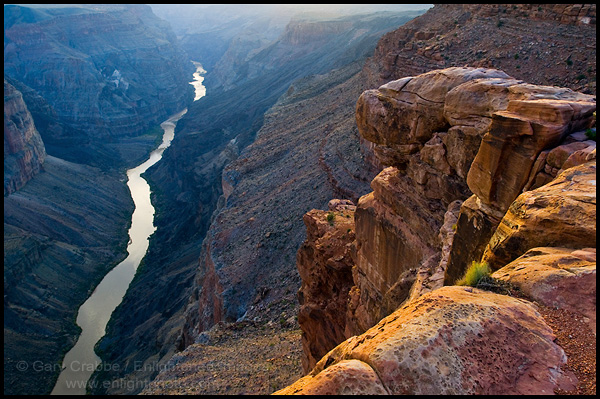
(561, 213)
(557, 277)
(108, 71)
(453, 340)
(411, 237)
(325, 263)
(441, 132)
(24, 150)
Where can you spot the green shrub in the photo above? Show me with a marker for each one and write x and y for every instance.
(331, 218)
(474, 273)
(591, 134)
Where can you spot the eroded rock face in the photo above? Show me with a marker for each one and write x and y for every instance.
(402, 115)
(517, 136)
(454, 340)
(325, 263)
(557, 277)
(394, 240)
(448, 134)
(24, 151)
(561, 213)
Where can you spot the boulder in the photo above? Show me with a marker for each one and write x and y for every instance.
(556, 277)
(561, 213)
(456, 340)
(348, 377)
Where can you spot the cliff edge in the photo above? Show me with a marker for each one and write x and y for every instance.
(447, 136)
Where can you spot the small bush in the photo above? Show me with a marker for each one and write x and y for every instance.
(591, 134)
(474, 273)
(331, 218)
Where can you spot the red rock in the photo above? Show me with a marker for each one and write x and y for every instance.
(348, 377)
(516, 137)
(458, 340)
(557, 277)
(324, 262)
(561, 213)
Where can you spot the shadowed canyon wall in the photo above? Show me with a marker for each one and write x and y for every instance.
(109, 72)
(24, 151)
(86, 86)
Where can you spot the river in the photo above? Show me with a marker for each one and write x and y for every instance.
(81, 361)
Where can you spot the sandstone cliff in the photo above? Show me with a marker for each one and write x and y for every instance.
(435, 132)
(407, 120)
(24, 151)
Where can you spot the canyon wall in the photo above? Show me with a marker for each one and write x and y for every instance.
(108, 72)
(24, 150)
(541, 50)
(443, 135)
(90, 82)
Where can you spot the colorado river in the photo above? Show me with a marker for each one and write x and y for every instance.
(81, 361)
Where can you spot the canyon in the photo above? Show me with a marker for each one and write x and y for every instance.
(67, 141)
(282, 250)
(188, 186)
(402, 53)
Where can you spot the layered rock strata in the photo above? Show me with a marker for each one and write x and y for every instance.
(328, 255)
(108, 71)
(24, 150)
